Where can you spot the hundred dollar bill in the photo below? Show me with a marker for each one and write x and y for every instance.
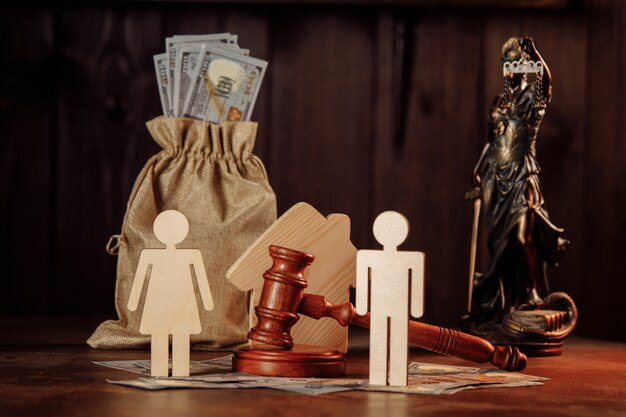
(426, 378)
(499, 385)
(420, 368)
(224, 86)
(222, 377)
(161, 69)
(311, 388)
(222, 361)
(137, 366)
(437, 384)
(234, 48)
(231, 37)
(173, 43)
(489, 376)
(424, 387)
(186, 59)
(307, 386)
(206, 367)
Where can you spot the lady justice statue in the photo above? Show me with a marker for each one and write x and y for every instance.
(508, 302)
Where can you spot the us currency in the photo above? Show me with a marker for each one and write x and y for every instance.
(424, 378)
(307, 386)
(173, 43)
(233, 48)
(451, 383)
(206, 367)
(136, 366)
(424, 385)
(311, 386)
(222, 361)
(224, 86)
(223, 377)
(162, 71)
(186, 59)
(421, 368)
(495, 376)
(499, 385)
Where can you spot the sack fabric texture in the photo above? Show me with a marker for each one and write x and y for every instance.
(208, 173)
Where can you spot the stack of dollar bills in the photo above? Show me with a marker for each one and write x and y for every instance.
(208, 77)
(424, 378)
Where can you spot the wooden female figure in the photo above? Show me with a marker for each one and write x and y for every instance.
(170, 304)
(521, 237)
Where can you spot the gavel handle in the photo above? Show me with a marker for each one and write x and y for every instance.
(436, 339)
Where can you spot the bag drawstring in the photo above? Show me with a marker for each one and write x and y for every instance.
(112, 249)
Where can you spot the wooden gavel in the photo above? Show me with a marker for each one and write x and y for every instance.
(283, 297)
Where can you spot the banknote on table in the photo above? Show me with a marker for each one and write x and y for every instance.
(307, 386)
(223, 361)
(495, 376)
(435, 385)
(425, 385)
(451, 383)
(210, 366)
(312, 386)
(224, 86)
(424, 378)
(421, 368)
(499, 385)
(136, 366)
(298, 387)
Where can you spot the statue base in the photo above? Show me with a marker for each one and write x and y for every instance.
(538, 332)
(303, 361)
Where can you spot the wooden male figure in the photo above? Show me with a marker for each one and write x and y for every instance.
(170, 305)
(385, 276)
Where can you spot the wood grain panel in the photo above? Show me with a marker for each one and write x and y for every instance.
(28, 84)
(108, 91)
(427, 180)
(605, 188)
(320, 113)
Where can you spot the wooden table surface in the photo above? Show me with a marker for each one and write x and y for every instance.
(46, 370)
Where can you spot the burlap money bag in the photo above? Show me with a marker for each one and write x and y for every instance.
(208, 173)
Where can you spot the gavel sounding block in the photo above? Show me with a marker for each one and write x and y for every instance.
(303, 228)
(302, 361)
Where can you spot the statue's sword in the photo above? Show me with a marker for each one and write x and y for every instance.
(473, 195)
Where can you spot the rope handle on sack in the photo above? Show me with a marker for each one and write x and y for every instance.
(112, 249)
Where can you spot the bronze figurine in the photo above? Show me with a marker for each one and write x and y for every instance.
(508, 302)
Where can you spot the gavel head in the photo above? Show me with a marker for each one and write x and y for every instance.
(282, 293)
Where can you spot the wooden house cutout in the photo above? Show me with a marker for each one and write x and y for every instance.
(332, 274)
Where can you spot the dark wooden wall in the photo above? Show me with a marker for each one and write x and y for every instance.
(364, 109)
